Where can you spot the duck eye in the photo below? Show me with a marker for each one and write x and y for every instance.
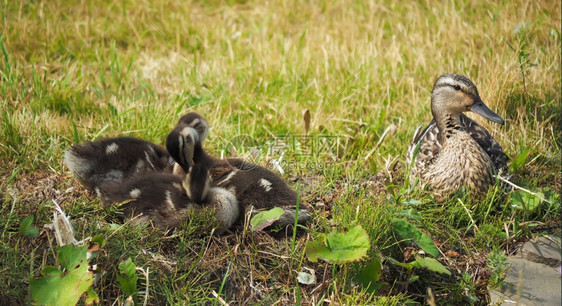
(457, 87)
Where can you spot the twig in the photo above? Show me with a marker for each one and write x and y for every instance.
(388, 129)
(223, 302)
(275, 255)
(501, 178)
(469, 215)
(146, 276)
(123, 225)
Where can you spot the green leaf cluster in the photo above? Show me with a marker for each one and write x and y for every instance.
(340, 247)
(66, 284)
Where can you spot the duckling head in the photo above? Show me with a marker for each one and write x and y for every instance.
(197, 122)
(453, 94)
(181, 145)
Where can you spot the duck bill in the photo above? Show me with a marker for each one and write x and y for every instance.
(481, 109)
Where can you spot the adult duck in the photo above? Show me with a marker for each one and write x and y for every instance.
(454, 151)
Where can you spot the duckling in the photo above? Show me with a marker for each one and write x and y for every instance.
(454, 150)
(165, 200)
(255, 187)
(114, 160)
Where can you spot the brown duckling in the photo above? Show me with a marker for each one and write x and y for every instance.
(256, 188)
(115, 159)
(165, 200)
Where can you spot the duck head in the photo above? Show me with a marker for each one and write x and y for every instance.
(453, 94)
(186, 138)
(181, 145)
(198, 123)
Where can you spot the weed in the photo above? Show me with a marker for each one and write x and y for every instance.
(497, 263)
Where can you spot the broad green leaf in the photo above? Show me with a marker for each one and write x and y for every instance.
(411, 202)
(71, 257)
(370, 274)
(525, 200)
(409, 231)
(114, 226)
(92, 297)
(520, 160)
(58, 287)
(128, 278)
(265, 218)
(338, 247)
(27, 229)
(25, 223)
(432, 265)
(100, 240)
(409, 213)
(306, 278)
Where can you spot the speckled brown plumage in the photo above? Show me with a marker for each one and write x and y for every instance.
(137, 173)
(454, 151)
(116, 159)
(255, 187)
(165, 200)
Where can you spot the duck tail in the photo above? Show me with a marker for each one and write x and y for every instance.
(225, 204)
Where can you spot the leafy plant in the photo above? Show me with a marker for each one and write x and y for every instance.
(521, 48)
(66, 284)
(423, 262)
(128, 278)
(369, 276)
(520, 160)
(468, 286)
(408, 231)
(27, 229)
(497, 263)
(527, 201)
(339, 248)
(265, 218)
(431, 264)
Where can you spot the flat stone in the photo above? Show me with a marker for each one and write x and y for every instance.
(545, 250)
(528, 283)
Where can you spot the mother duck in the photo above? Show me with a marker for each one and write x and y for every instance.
(453, 151)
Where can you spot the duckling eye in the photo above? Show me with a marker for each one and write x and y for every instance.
(457, 87)
(199, 128)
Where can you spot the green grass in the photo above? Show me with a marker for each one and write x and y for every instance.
(78, 71)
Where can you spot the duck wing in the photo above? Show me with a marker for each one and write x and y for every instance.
(429, 146)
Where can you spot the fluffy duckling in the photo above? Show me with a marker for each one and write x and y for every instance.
(114, 160)
(255, 187)
(454, 150)
(165, 200)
